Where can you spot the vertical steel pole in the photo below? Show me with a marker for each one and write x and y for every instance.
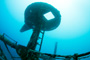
(55, 49)
(33, 40)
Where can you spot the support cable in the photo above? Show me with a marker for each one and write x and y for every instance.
(9, 51)
(2, 55)
(9, 37)
(7, 47)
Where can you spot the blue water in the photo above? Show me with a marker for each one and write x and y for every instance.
(72, 35)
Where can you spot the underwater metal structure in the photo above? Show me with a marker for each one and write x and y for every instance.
(34, 19)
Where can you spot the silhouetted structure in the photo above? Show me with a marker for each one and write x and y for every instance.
(34, 19)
